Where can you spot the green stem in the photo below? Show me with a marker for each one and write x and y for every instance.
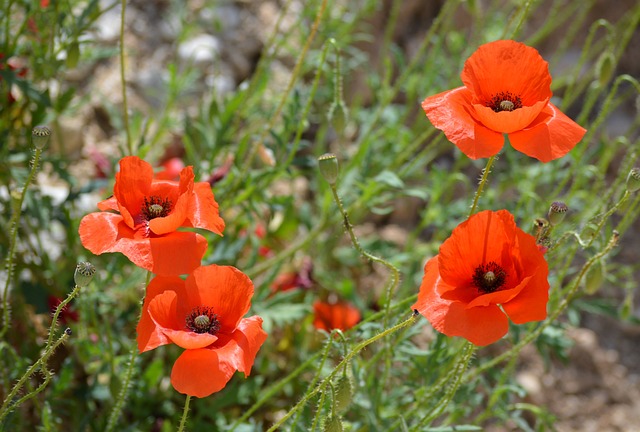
(606, 216)
(13, 224)
(126, 384)
(7, 406)
(185, 414)
(458, 372)
(483, 181)
(125, 108)
(339, 366)
(395, 273)
(61, 306)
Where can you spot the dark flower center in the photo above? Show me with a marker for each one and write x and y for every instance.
(155, 207)
(203, 320)
(504, 101)
(489, 277)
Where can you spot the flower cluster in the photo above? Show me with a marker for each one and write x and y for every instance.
(489, 270)
(202, 314)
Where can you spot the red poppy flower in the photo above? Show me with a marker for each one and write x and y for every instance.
(149, 213)
(507, 87)
(202, 314)
(329, 316)
(486, 269)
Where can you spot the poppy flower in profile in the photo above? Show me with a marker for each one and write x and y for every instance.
(204, 315)
(148, 214)
(507, 87)
(488, 270)
(341, 315)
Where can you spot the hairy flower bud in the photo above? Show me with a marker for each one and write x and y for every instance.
(594, 277)
(40, 136)
(84, 273)
(557, 212)
(343, 393)
(333, 424)
(328, 165)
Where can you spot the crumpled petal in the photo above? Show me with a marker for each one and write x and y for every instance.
(550, 136)
(450, 111)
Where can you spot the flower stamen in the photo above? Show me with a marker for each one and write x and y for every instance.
(202, 319)
(489, 277)
(504, 101)
(155, 207)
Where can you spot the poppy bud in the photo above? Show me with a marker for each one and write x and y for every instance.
(605, 67)
(40, 136)
(343, 393)
(627, 306)
(328, 165)
(557, 212)
(633, 180)
(333, 424)
(594, 277)
(338, 116)
(73, 54)
(84, 273)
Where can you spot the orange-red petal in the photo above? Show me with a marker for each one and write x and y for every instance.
(163, 310)
(450, 111)
(180, 195)
(507, 66)
(480, 325)
(109, 204)
(329, 316)
(132, 185)
(550, 136)
(200, 373)
(224, 288)
(203, 211)
(483, 238)
(150, 336)
(508, 121)
(176, 253)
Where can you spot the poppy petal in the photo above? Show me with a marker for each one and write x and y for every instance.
(225, 289)
(453, 319)
(109, 204)
(551, 135)
(507, 66)
(508, 121)
(176, 253)
(239, 351)
(150, 336)
(181, 194)
(204, 211)
(200, 373)
(483, 238)
(449, 111)
(132, 185)
(163, 310)
(99, 231)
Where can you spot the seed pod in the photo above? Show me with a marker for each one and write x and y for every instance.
(84, 273)
(557, 212)
(328, 165)
(633, 180)
(40, 136)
